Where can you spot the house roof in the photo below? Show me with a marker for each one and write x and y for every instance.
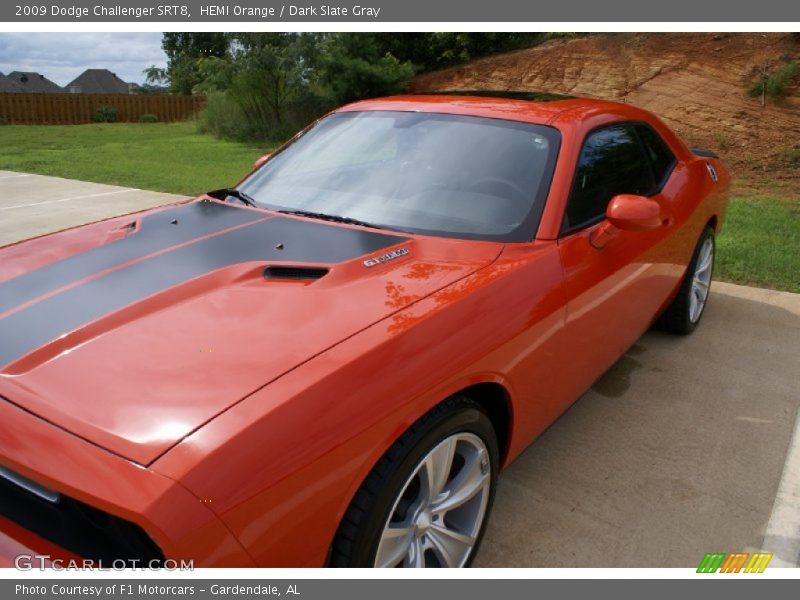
(99, 81)
(28, 81)
(8, 85)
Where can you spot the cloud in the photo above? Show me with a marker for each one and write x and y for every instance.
(61, 57)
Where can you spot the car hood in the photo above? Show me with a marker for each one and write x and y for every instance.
(134, 332)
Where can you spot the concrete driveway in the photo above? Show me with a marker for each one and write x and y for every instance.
(32, 205)
(685, 446)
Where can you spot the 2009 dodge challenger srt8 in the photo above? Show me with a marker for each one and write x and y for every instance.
(330, 363)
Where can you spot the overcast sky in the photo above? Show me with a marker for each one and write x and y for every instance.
(61, 57)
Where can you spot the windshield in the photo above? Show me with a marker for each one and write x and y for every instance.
(439, 174)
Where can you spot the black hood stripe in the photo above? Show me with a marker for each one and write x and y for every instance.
(156, 232)
(302, 241)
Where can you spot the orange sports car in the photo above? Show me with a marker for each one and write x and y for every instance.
(330, 363)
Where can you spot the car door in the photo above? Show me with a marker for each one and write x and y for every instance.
(615, 283)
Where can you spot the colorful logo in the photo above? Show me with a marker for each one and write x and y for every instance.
(738, 562)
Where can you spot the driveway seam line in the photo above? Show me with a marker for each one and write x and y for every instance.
(71, 198)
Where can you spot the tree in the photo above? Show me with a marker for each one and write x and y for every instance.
(266, 85)
(774, 83)
(155, 75)
(259, 79)
(353, 65)
(267, 78)
(436, 50)
(184, 50)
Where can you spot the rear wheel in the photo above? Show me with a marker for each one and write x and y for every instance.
(426, 502)
(686, 310)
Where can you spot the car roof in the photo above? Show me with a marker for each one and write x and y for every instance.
(531, 107)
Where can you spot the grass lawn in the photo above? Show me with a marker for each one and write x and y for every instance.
(167, 157)
(760, 243)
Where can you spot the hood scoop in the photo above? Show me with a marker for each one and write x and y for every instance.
(294, 273)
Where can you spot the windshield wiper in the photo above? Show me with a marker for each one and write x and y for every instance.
(239, 195)
(327, 217)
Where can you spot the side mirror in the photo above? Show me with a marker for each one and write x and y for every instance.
(261, 160)
(634, 213)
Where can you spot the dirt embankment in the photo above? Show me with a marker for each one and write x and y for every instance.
(696, 82)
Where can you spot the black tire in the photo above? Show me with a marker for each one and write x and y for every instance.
(356, 541)
(676, 318)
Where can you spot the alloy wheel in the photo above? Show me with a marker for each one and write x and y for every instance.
(438, 515)
(701, 280)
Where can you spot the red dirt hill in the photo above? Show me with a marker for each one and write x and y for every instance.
(696, 82)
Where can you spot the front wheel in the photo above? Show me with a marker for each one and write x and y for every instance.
(426, 502)
(683, 315)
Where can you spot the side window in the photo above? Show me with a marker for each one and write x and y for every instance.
(659, 154)
(612, 162)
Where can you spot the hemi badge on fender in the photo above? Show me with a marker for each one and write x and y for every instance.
(371, 262)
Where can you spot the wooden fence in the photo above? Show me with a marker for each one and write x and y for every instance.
(72, 109)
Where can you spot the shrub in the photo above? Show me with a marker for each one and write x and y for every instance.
(722, 140)
(224, 117)
(777, 82)
(148, 118)
(792, 155)
(105, 114)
